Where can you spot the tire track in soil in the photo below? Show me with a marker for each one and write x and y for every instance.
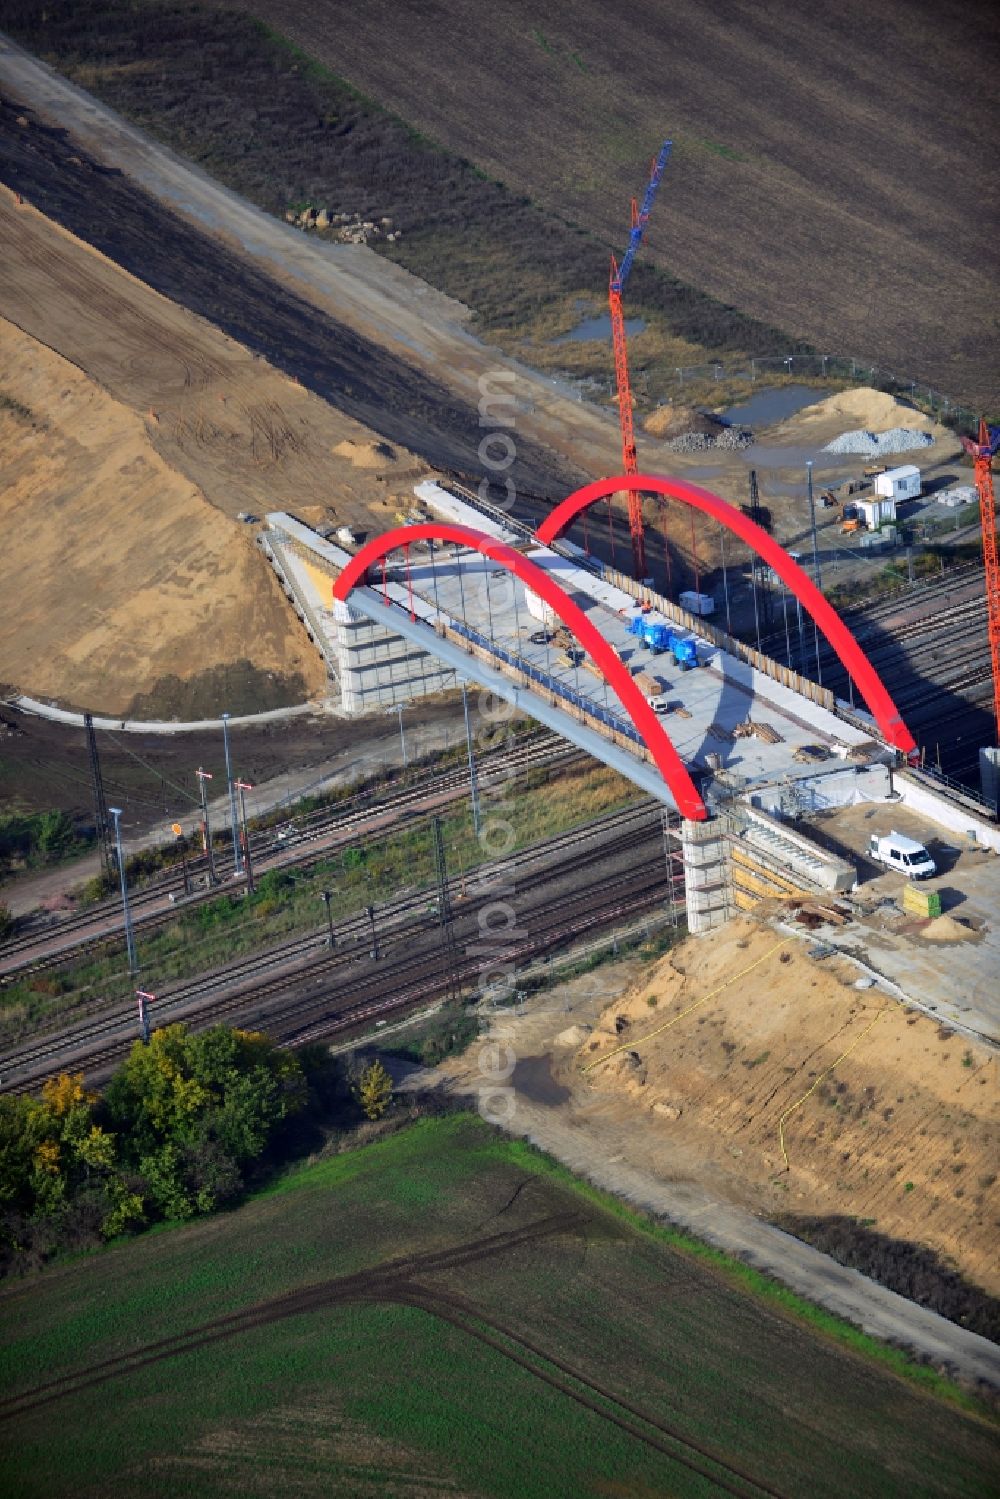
(361, 1286)
(400, 402)
(438, 1306)
(394, 1284)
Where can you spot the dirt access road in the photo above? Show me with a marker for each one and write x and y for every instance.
(368, 337)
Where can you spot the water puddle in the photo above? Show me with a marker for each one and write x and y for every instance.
(533, 1077)
(765, 457)
(773, 404)
(593, 328)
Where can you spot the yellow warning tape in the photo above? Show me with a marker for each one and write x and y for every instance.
(825, 1073)
(630, 1045)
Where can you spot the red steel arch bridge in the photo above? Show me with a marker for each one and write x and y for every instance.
(436, 582)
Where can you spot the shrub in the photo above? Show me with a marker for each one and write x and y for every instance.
(909, 1269)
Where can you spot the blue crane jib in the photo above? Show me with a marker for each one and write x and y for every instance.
(641, 218)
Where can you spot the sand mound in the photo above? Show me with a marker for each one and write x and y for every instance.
(365, 454)
(670, 421)
(574, 1035)
(118, 572)
(946, 929)
(874, 410)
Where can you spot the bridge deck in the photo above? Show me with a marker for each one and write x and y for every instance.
(472, 615)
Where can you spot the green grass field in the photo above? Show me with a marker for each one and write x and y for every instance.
(444, 1311)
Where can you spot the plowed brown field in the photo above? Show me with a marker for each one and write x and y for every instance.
(826, 170)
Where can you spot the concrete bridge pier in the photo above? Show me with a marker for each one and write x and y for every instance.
(706, 875)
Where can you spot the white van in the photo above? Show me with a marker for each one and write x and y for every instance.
(904, 854)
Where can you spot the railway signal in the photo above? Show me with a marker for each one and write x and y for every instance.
(324, 896)
(144, 998)
(206, 831)
(178, 833)
(242, 787)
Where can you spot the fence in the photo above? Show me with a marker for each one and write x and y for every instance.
(829, 367)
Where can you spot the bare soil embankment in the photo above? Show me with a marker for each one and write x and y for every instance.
(116, 569)
(887, 1118)
(372, 375)
(147, 432)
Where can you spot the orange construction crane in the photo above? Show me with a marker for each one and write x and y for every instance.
(982, 452)
(623, 385)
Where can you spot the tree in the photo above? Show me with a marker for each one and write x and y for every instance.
(374, 1090)
(27, 1135)
(53, 1155)
(7, 922)
(192, 1111)
(179, 1123)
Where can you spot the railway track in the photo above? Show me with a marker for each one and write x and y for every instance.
(929, 645)
(414, 961)
(299, 1019)
(150, 906)
(617, 830)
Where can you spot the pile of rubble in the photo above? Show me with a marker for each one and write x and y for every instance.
(879, 444)
(732, 439)
(348, 228)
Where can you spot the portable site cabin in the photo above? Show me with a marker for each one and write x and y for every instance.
(876, 510)
(898, 484)
(773, 578)
(697, 603)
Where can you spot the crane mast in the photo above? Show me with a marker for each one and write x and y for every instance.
(982, 451)
(623, 383)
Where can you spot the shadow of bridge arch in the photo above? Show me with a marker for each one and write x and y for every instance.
(601, 652)
(854, 660)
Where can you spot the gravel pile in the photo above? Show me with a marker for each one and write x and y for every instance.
(733, 439)
(878, 444)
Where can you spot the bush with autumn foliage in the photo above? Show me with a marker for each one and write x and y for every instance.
(175, 1133)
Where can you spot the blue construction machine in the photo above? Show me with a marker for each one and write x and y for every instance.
(654, 632)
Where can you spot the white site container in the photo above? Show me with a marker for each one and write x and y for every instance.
(697, 603)
(774, 578)
(345, 536)
(898, 484)
(876, 510)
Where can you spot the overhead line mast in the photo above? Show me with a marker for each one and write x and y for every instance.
(623, 384)
(982, 451)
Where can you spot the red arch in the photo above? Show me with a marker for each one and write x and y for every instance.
(866, 678)
(604, 655)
